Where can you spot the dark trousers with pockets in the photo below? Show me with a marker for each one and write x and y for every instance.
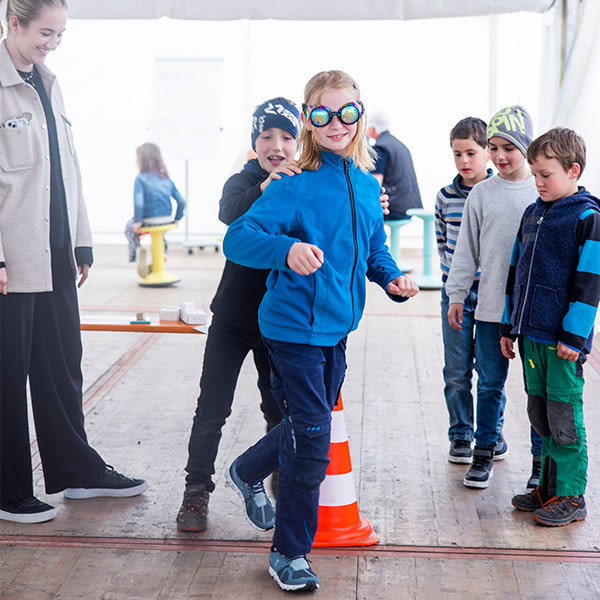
(40, 340)
(226, 348)
(306, 382)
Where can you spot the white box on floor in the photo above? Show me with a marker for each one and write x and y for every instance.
(169, 313)
(195, 317)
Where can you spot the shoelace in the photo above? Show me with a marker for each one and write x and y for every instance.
(480, 461)
(553, 502)
(196, 502)
(258, 489)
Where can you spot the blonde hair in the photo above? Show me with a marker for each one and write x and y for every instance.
(150, 160)
(358, 150)
(29, 10)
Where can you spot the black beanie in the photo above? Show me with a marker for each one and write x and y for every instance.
(277, 112)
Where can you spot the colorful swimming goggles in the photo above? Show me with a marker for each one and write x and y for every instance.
(320, 115)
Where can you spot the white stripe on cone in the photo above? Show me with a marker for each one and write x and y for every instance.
(338, 427)
(337, 490)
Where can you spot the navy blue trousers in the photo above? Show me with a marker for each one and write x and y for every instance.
(306, 382)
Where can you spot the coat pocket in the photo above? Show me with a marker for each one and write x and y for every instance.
(547, 311)
(16, 148)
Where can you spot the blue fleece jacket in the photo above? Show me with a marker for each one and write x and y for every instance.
(553, 286)
(336, 208)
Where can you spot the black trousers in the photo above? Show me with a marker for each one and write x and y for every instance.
(226, 348)
(40, 340)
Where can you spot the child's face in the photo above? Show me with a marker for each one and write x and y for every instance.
(335, 136)
(508, 159)
(470, 160)
(551, 179)
(274, 148)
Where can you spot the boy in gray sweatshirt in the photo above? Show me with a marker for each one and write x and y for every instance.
(491, 218)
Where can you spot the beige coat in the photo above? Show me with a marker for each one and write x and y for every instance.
(25, 181)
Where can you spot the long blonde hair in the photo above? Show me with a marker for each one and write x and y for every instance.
(358, 150)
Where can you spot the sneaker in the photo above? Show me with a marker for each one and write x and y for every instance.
(482, 469)
(530, 501)
(536, 471)
(27, 510)
(259, 510)
(460, 452)
(501, 448)
(561, 510)
(293, 573)
(108, 483)
(194, 509)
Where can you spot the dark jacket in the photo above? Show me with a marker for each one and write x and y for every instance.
(336, 208)
(399, 178)
(553, 285)
(241, 289)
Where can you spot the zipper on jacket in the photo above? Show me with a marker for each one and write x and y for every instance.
(353, 212)
(538, 225)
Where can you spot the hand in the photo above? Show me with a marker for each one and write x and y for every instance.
(384, 202)
(455, 315)
(136, 227)
(566, 352)
(290, 169)
(3, 280)
(83, 270)
(304, 259)
(507, 347)
(403, 286)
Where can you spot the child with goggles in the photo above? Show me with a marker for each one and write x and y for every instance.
(321, 232)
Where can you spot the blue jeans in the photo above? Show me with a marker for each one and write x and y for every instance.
(492, 369)
(306, 381)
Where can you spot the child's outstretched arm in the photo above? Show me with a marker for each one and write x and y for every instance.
(403, 286)
(584, 294)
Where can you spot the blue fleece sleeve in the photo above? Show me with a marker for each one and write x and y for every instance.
(138, 200)
(180, 202)
(381, 267)
(258, 239)
(584, 293)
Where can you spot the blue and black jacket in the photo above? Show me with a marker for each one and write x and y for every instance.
(336, 208)
(553, 286)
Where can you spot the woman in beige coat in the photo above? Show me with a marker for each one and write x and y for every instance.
(45, 240)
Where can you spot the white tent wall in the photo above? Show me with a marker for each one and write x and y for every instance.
(427, 74)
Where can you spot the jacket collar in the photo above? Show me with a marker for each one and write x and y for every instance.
(9, 75)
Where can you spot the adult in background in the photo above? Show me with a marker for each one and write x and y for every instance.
(45, 239)
(394, 168)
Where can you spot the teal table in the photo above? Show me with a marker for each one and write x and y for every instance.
(394, 226)
(429, 280)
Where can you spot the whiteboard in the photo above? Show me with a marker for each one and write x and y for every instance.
(186, 107)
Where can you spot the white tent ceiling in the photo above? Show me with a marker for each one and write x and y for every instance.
(298, 9)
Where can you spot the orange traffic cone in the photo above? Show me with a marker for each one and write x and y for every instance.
(339, 521)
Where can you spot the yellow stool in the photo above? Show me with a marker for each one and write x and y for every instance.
(158, 277)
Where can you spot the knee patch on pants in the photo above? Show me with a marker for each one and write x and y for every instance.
(561, 420)
(536, 410)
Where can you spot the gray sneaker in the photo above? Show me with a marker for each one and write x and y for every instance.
(482, 469)
(292, 573)
(259, 510)
(460, 452)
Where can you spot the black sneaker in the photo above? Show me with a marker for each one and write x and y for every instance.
(530, 501)
(108, 483)
(501, 448)
(460, 452)
(482, 469)
(561, 510)
(536, 471)
(27, 510)
(194, 509)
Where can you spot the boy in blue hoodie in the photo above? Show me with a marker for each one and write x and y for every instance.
(552, 294)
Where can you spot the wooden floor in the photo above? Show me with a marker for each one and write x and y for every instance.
(438, 539)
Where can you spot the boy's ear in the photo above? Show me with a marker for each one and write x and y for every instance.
(574, 171)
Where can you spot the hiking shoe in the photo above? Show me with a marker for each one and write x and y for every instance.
(536, 471)
(292, 573)
(561, 510)
(530, 501)
(259, 510)
(482, 469)
(501, 448)
(194, 509)
(108, 483)
(27, 510)
(460, 452)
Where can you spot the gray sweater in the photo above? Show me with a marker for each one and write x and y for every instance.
(490, 222)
